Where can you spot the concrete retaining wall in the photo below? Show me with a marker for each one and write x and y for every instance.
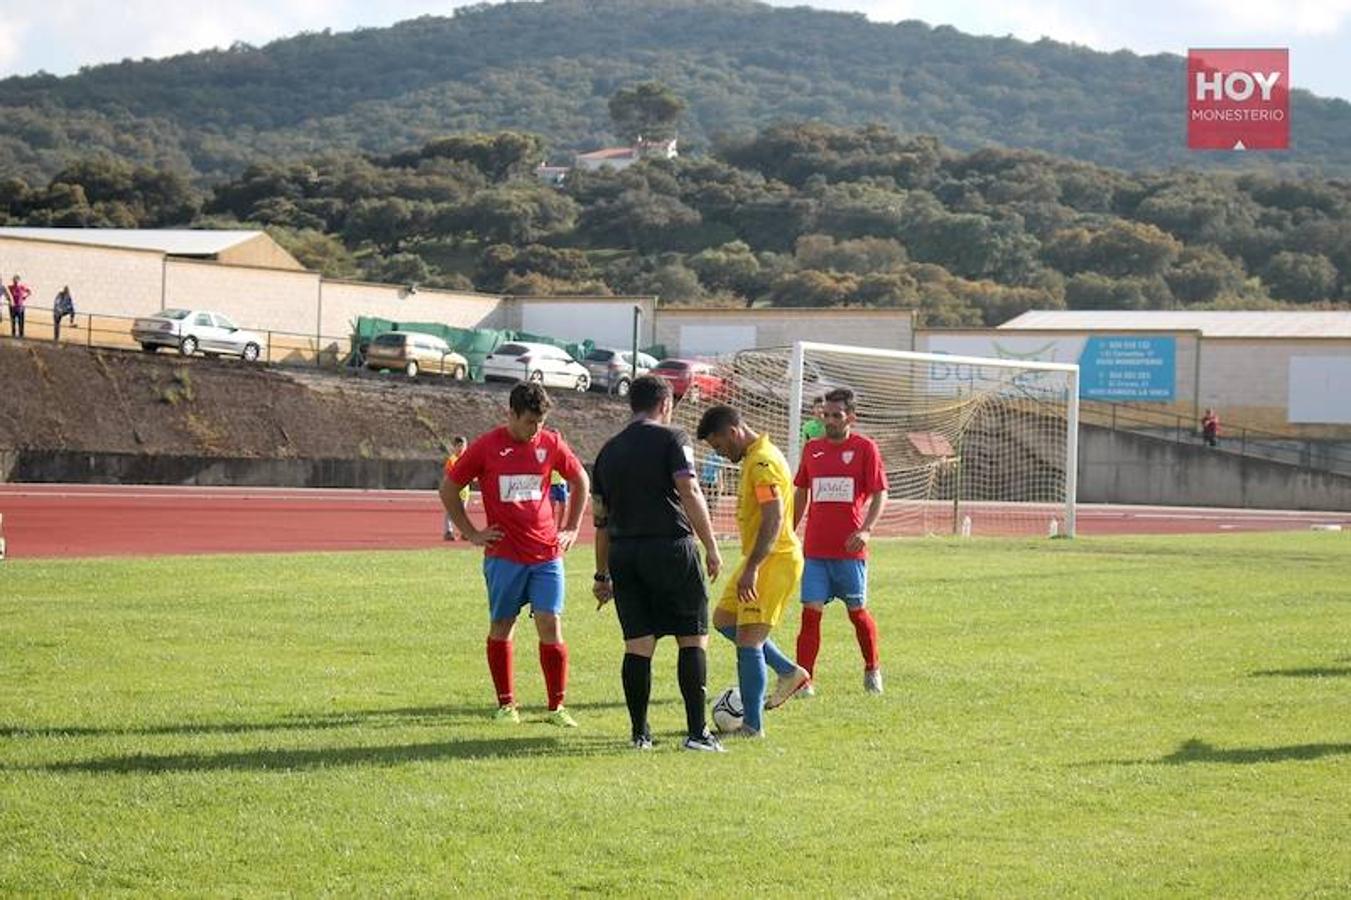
(1114, 467)
(46, 466)
(1122, 467)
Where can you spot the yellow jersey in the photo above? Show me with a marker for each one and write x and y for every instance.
(450, 464)
(764, 473)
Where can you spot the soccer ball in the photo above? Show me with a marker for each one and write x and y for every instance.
(728, 711)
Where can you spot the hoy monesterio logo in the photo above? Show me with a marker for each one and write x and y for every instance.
(1238, 99)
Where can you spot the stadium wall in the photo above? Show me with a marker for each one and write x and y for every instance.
(105, 280)
(711, 332)
(606, 320)
(1252, 381)
(264, 299)
(71, 467)
(1249, 380)
(346, 301)
(1123, 467)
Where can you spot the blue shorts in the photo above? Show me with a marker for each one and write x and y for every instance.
(558, 493)
(511, 585)
(824, 580)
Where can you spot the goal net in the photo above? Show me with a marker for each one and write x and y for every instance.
(971, 446)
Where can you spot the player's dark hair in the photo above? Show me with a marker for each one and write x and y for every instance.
(530, 397)
(648, 393)
(842, 395)
(716, 418)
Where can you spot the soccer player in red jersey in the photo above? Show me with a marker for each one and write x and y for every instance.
(837, 474)
(523, 546)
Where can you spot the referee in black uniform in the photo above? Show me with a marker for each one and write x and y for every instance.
(648, 510)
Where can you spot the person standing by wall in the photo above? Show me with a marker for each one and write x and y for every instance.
(1210, 428)
(18, 301)
(62, 306)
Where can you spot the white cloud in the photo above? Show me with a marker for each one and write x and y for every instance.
(62, 35)
(9, 45)
(1317, 18)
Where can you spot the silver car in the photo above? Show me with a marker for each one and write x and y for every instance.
(191, 331)
(612, 370)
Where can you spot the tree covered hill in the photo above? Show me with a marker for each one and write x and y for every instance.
(549, 68)
(800, 214)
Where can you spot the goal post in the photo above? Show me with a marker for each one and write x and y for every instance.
(970, 445)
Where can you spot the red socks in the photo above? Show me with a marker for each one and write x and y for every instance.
(500, 665)
(809, 639)
(553, 659)
(865, 628)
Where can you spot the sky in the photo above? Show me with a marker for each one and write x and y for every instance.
(59, 36)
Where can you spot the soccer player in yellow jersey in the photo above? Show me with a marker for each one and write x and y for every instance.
(771, 564)
(457, 448)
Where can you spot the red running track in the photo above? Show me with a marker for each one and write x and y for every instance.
(51, 521)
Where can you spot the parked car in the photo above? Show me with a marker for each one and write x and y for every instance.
(549, 365)
(689, 377)
(766, 373)
(612, 370)
(189, 331)
(412, 353)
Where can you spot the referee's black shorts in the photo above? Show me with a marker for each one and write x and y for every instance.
(659, 587)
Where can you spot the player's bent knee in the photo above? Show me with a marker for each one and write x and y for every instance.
(501, 629)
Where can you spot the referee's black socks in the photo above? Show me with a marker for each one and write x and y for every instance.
(692, 672)
(636, 673)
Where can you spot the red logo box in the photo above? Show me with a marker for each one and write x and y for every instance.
(1238, 99)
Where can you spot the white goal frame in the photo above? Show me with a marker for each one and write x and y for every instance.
(1071, 371)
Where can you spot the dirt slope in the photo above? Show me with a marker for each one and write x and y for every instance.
(71, 398)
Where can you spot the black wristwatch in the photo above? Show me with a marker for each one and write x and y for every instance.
(602, 578)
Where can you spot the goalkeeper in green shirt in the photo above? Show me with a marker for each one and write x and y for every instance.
(815, 427)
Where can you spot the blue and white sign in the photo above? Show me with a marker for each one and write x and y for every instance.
(1125, 367)
(1128, 368)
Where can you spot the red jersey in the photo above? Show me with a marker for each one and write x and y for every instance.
(838, 478)
(513, 480)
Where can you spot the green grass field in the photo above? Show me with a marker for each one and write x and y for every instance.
(1100, 717)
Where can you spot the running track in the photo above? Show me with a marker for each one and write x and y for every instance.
(47, 521)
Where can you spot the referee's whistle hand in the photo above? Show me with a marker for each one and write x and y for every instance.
(603, 593)
(713, 563)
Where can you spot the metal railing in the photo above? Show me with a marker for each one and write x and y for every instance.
(114, 333)
(1237, 439)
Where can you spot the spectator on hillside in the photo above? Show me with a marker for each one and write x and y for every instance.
(62, 306)
(18, 300)
(1210, 428)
